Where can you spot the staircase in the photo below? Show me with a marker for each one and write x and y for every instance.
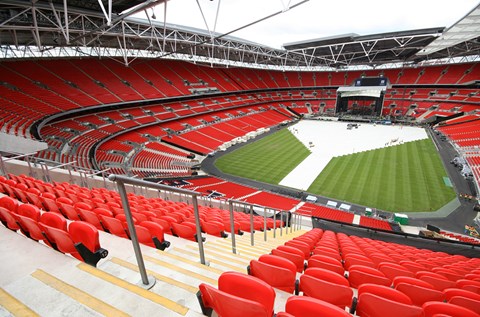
(38, 281)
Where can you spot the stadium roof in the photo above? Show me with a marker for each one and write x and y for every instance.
(77, 28)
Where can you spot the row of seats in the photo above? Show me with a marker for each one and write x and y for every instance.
(152, 217)
(327, 288)
(77, 238)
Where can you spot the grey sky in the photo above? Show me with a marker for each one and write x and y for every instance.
(315, 18)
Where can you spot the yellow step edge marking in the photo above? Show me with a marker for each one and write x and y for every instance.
(244, 246)
(14, 306)
(77, 294)
(229, 267)
(181, 270)
(197, 264)
(163, 301)
(250, 254)
(256, 244)
(159, 277)
(239, 254)
(210, 253)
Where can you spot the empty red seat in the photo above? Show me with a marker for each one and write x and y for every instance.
(417, 290)
(8, 220)
(371, 305)
(303, 306)
(276, 271)
(54, 220)
(392, 270)
(358, 275)
(61, 240)
(238, 295)
(9, 203)
(326, 262)
(302, 246)
(296, 256)
(157, 235)
(114, 226)
(470, 285)
(327, 286)
(431, 309)
(438, 281)
(214, 228)
(184, 231)
(87, 241)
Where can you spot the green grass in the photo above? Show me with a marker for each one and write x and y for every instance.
(268, 160)
(407, 177)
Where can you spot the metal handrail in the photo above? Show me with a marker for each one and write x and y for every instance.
(121, 181)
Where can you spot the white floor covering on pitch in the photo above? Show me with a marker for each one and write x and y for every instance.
(331, 139)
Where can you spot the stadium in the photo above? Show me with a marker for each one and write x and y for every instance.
(153, 169)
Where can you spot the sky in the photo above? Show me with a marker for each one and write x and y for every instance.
(312, 19)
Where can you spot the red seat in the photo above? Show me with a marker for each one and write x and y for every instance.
(114, 226)
(238, 295)
(431, 309)
(66, 207)
(87, 241)
(302, 246)
(214, 228)
(7, 219)
(327, 286)
(358, 275)
(184, 231)
(90, 217)
(470, 285)
(357, 259)
(327, 251)
(9, 203)
(54, 220)
(157, 236)
(61, 240)
(326, 262)
(297, 258)
(302, 306)
(438, 281)
(466, 302)
(49, 203)
(371, 305)
(417, 290)
(392, 270)
(27, 217)
(276, 271)
(165, 225)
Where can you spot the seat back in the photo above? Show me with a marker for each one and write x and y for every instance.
(303, 306)
(227, 305)
(8, 220)
(248, 287)
(466, 302)
(54, 220)
(85, 233)
(359, 275)
(324, 287)
(419, 295)
(183, 231)
(384, 292)
(431, 309)
(114, 226)
(275, 276)
(62, 240)
(326, 262)
(9, 203)
(372, 305)
(298, 260)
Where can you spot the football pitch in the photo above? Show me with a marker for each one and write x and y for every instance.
(402, 178)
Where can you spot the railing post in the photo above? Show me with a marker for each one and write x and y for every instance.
(265, 223)
(281, 223)
(232, 227)
(199, 231)
(274, 224)
(147, 281)
(252, 238)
